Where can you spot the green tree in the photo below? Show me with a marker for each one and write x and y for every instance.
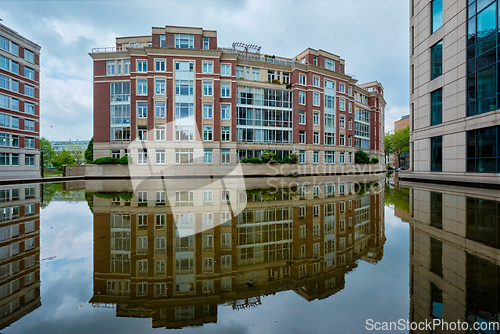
(401, 142)
(388, 144)
(48, 153)
(89, 152)
(398, 197)
(63, 158)
(77, 153)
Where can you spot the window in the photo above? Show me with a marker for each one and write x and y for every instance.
(329, 157)
(160, 156)
(225, 89)
(350, 106)
(208, 285)
(142, 66)
(225, 133)
(29, 125)
(316, 81)
(207, 133)
(342, 140)
(160, 87)
(316, 118)
(207, 157)
(302, 137)
(437, 60)
(342, 159)
(110, 68)
(483, 154)
(342, 122)
(302, 229)
(302, 79)
(126, 67)
(207, 88)
(350, 141)
(225, 156)
(341, 104)
(207, 196)
(142, 220)
(437, 154)
(29, 56)
(436, 15)
(207, 110)
(350, 123)
(142, 110)
(183, 41)
(316, 99)
(160, 65)
(142, 87)
(342, 88)
(205, 43)
(225, 111)
(142, 132)
(225, 69)
(161, 219)
(142, 157)
(29, 108)
(316, 157)
(29, 244)
(350, 90)
(183, 155)
(29, 142)
(316, 137)
(302, 97)
(28, 90)
(329, 64)
(255, 74)
(302, 157)
(208, 67)
(302, 117)
(208, 243)
(160, 109)
(437, 107)
(29, 73)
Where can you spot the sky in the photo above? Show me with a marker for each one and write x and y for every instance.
(372, 37)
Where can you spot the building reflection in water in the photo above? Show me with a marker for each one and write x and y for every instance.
(19, 251)
(176, 261)
(454, 255)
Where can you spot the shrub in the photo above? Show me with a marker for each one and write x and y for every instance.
(288, 86)
(106, 160)
(361, 157)
(268, 156)
(251, 161)
(125, 160)
(374, 161)
(292, 158)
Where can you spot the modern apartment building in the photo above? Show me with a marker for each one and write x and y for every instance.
(176, 259)
(455, 114)
(19, 106)
(176, 86)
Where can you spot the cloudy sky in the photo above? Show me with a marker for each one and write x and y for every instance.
(372, 36)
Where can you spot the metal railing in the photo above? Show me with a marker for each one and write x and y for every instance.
(106, 49)
(266, 59)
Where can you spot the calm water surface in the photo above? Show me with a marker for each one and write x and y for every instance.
(319, 256)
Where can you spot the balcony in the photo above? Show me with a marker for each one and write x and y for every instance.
(106, 49)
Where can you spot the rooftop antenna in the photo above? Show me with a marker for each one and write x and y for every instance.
(246, 47)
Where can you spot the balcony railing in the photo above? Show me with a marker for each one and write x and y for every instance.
(266, 59)
(107, 49)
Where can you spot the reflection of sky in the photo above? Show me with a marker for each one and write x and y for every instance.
(379, 292)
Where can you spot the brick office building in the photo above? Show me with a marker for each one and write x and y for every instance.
(19, 105)
(177, 86)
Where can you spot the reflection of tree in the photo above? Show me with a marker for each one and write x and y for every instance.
(89, 197)
(54, 192)
(398, 197)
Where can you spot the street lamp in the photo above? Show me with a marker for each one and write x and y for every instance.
(41, 160)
